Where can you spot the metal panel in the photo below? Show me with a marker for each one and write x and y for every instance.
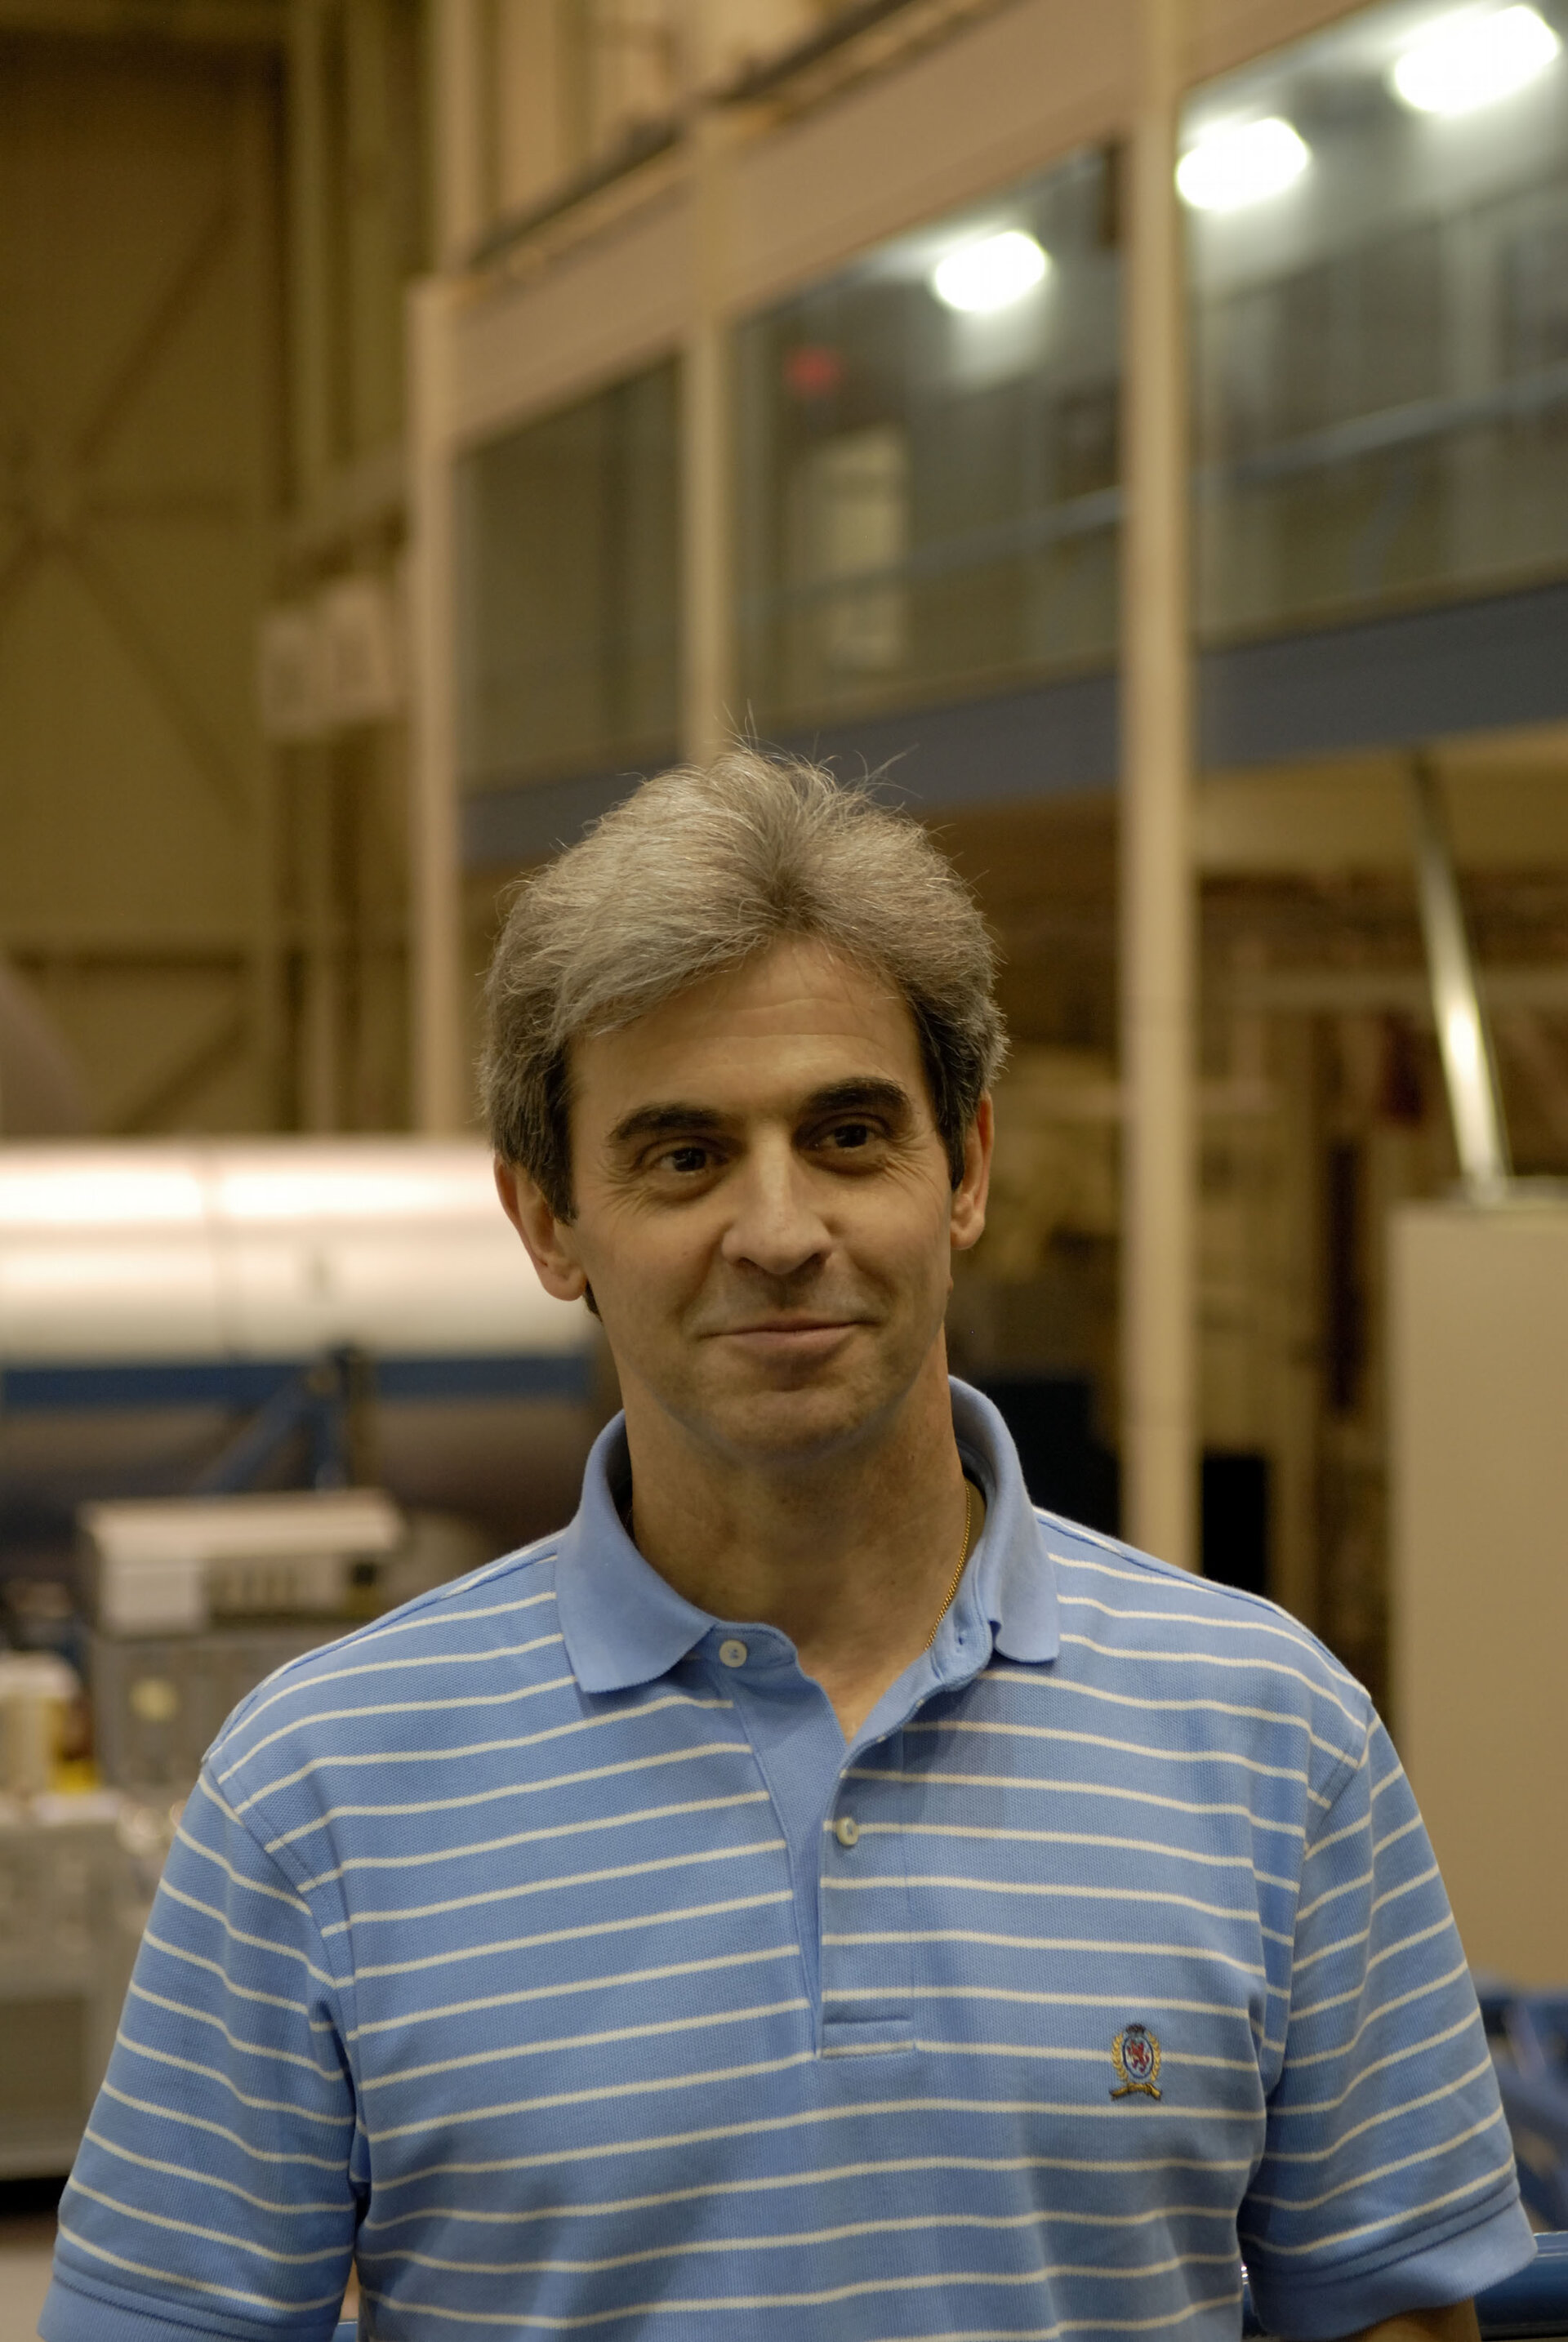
(280, 1249)
(160, 1701)
(72, 1905)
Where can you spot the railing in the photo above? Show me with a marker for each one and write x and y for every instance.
(1391, 430)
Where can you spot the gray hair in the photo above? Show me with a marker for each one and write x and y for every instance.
(697, 872)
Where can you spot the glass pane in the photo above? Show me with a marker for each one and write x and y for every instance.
(1382, 341)
(927, 492)
(569, 575)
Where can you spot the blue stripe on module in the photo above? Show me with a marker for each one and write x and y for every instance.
(251, 1382)
(565, 1375)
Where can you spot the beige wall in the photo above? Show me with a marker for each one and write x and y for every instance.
(1478, 1363)
(139, 386)
(194, 422)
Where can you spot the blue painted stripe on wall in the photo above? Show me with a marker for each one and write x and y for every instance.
(1384, 682)
(1463, 666)
(250, 1383)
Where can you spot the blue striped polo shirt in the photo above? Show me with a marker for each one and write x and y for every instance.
(544, 1950)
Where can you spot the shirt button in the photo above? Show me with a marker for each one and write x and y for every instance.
(732, 1653)
(846, 1829)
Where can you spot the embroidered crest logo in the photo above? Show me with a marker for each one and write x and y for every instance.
(1136, 2054)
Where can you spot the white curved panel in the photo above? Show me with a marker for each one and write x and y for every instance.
(68, 1296)
(272, 1250)
(101, 1187)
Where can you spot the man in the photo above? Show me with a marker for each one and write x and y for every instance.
(817, 1893)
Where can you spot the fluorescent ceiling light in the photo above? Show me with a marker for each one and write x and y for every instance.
(991, 273)
(1242, 164)
(1470, 61)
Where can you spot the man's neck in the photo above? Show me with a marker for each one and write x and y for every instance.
(851, 1554)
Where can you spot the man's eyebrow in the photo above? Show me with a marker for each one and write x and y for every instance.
(676, 1118)
(861, 1093)
(660, 1121)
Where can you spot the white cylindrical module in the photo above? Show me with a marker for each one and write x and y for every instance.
(265, 1249)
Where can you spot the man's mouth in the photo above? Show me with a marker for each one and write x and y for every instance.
(788, 1336)
(788, 1325)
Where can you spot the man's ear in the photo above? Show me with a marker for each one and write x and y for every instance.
(547, 1241)
(968, 1222)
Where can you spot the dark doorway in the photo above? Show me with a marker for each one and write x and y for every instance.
(1067, 1468)
(1236, 1519)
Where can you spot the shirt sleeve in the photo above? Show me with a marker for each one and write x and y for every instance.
(217, 2187)
(1387, 2180)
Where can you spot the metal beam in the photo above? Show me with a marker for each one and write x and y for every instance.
(1157, 907)
(355, 499)
(439, 1066)
(310, 400)
(324, 955)
(214, 23)
(462, 94)
(1464, 1037)
(371, 297)
(707, 600)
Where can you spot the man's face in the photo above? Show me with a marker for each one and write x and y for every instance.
(764, 1208)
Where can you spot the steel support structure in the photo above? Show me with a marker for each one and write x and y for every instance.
(1158, 1306)
(460, 144)
(310, 397)
(1463, 1034)
(708, 717)
(439, 1085)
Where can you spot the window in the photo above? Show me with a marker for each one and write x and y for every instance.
(1382, 340)
(568, 590)
(928, 460)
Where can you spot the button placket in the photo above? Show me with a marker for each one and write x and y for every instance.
(865, 1894)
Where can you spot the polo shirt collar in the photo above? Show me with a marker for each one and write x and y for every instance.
(1011, 1575)
(623, 1623)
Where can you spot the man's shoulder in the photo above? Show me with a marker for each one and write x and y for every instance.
(494, 1601)
(432, 1649)
(1116, 1600)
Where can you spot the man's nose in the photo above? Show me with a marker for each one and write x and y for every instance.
(776, 1225)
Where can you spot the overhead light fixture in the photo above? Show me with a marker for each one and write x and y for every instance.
(990, 274)
(1472, 60)
(1242, 164)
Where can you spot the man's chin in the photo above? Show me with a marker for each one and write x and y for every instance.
(799, 1418)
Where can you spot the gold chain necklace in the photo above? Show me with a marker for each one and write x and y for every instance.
(962, 1557)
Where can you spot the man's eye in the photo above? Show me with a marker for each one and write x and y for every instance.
(684, 1161)
(846, 1136)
